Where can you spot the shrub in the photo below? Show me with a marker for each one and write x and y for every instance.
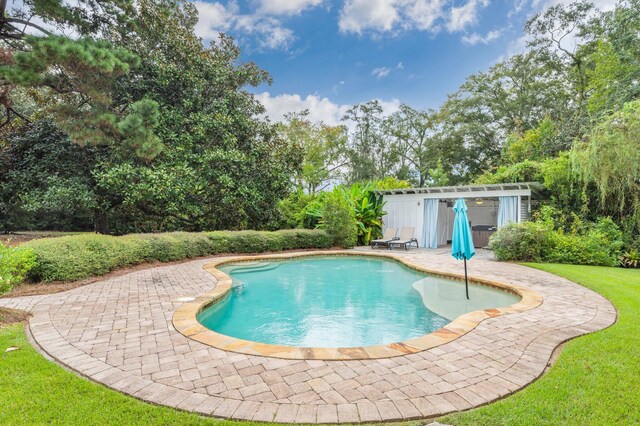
(630, 258)
(15, 263)
(254, 242)
(80, 256)
(593, 244)
(338, 220)
(526, 242)
(219, 241)
(304, 239)
(76, 257)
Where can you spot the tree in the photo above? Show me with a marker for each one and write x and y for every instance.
(324, 150)
(79, 76)
(533, 144)
(513, 96)
(609, 159)
(614, 70)
(368, 149)
(555, 31)
(416, 140)
(45, 180)
(222, 166)
(183, 145)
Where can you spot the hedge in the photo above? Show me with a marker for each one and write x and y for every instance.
(81, 256)
(15, 264)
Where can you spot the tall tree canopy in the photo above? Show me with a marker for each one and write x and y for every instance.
(185, 147)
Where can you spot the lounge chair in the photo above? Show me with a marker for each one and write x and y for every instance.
(389, 235)
(405, 239)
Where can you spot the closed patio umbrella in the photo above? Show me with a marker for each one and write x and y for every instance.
(462, 240)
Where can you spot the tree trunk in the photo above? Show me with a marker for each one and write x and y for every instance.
(101, 222)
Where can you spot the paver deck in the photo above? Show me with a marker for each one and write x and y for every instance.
(119, 332)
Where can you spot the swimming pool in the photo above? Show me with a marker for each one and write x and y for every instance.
(340, 301)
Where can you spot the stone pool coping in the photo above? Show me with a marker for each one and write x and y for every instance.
(185, 317)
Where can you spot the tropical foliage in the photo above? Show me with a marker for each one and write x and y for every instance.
(367, 208)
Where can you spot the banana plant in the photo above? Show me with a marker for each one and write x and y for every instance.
(368, 209)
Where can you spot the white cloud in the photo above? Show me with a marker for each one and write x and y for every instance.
(475, 38)
(287, 7)
(423, 14)
(214, 18)
(359, 15)
(271, 35)
(465, 15)
(320, 109)
(400, 66)
(265, 31)
(393, 16)
(380, 72)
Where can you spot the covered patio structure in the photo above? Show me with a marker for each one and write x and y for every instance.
(430, 210)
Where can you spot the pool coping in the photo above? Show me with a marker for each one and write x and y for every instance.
(185, 317)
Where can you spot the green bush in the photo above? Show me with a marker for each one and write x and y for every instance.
(338, 219)
(304, 239)
(525, 242)
(254, 242)
(220, 241)
(80, 256)
(15, 263)
(593, 244)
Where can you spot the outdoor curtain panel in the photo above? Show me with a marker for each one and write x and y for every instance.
(508, 210)
(443, 224)
(430, 227)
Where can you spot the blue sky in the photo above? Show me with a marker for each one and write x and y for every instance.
(326, 55)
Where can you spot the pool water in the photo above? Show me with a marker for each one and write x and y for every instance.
(340, 301)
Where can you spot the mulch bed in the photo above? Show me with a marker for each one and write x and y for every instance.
(11, 316)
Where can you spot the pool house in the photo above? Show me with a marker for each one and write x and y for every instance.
(430, 210)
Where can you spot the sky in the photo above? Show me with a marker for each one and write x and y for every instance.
(327, 55)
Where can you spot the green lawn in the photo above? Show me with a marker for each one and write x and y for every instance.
(594, 382)
(596, 379)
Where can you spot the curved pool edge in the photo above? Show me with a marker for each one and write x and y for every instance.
(185, 317)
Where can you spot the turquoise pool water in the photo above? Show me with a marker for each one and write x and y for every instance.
(340, 301)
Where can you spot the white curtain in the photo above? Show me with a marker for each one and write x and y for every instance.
(430, 223)
(507, 210)
(443, 224)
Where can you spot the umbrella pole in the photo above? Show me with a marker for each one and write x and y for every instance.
(466, 283)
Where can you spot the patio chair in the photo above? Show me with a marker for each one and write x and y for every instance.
(389, 235)
(405, 239)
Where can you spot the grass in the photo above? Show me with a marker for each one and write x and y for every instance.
(594, 382)
(595, 379)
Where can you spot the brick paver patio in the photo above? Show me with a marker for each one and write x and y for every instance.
(118, 332)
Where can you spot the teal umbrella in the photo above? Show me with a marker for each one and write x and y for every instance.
(462, 241)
